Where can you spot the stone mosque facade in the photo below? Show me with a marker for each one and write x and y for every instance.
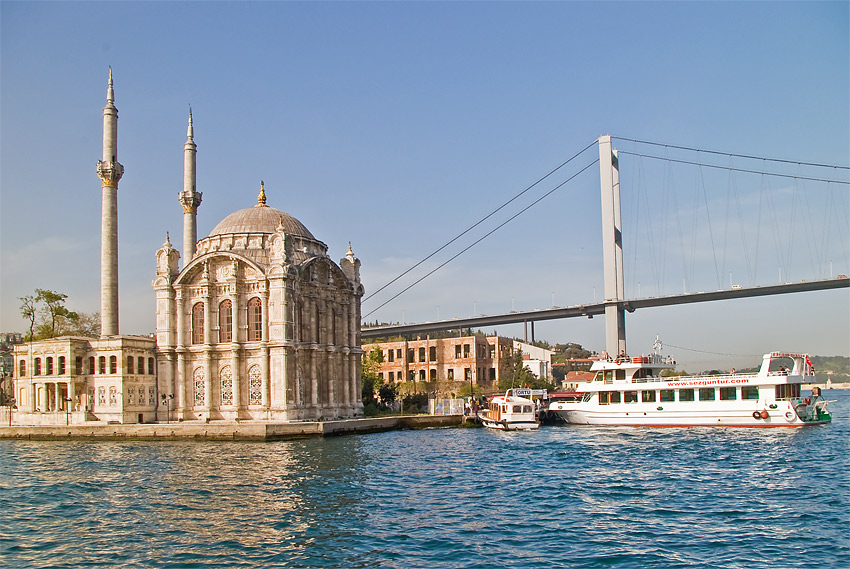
(259, 324)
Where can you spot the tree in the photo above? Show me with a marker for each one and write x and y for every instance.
(371, 363)
(513, 373)
(48, 317)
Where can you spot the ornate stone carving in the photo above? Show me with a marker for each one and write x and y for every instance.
(190, 200)
(109, 172)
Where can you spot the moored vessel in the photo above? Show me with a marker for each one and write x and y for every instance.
(632, 391)
(509, 412)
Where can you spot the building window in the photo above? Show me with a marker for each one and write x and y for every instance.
(113, 365)
(432, 353)
(199, 386)
(198, 323)
(49, 366)
(22, 368)
(450, 374)
(101, 396)
(37, 367)
(255, 386)
(390, 355)
(392, 376)
(466, 350)
(492, 373)
(78, 365)
(131, 396)
(151, 368)
(141, 366)
(113, 396)
(432, 375)
(225, 321)
(226, 385)
(410, 355)
(492, 351)
(151, 395)
(728, 394)
(61, 365)
(422, 354)
(130, 366)
(398, 354)
(421, 375)
(255, 320)
(467, 374)
(457, 351)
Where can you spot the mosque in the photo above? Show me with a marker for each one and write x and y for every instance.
(259, 324)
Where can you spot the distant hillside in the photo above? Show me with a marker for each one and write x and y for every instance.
(836, 368)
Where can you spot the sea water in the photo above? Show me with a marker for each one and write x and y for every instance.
(460, 498)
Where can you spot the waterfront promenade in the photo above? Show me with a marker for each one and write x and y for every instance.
(227, 430)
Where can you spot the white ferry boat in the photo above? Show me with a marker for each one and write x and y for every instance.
(631, 391)
(509, 412)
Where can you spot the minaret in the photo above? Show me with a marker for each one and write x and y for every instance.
(110, 171)
(189, 198)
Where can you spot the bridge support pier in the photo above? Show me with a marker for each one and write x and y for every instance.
(612, 248)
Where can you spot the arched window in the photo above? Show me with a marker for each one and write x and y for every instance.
(225, 321)
(22, 368)
(113, 365)
(199, 386)
(151, 369)
(49, 366)
(198, 323)
(255, 320)
(255, 386)
(101, 364)
(61, 365)
(141, 366)
(91, 365)
(78, 365)
(130, 365)
(37, 367)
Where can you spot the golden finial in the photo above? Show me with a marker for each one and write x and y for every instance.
(261, 199)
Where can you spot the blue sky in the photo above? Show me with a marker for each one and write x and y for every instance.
(397, 125)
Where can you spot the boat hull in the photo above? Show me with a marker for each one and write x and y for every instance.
(713, 418)
(510, 425)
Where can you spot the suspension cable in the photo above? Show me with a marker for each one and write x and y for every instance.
(480, 221)
(520, 212)
(691, 162)
(815, 164)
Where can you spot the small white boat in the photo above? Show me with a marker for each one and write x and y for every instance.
(509, 412)
(631, 391)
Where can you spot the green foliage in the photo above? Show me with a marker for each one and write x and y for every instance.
(370, 364)
(513, 373)
(48, 317)
(387, 392)
(466, 387)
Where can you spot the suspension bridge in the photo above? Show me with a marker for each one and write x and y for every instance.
(785, 207)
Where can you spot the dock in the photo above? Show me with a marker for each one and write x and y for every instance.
(227, 430)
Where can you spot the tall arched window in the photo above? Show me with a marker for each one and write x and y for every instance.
(198, 323)
(61, 365)
(130, 365)
(113, 365)
(22, 368)
(151, 368)
(101, 364)
(255, 320)
(225, 321)
(37, 367)
(91, 365)
(141, 366)
(49, 366)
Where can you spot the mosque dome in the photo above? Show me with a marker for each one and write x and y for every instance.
(260, 219)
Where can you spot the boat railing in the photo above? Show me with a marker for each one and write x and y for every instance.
(690, 378)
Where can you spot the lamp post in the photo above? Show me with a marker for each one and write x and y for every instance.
(12, 405)
(166, 400)
(67, 401)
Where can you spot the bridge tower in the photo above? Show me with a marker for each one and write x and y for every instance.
(612, 248)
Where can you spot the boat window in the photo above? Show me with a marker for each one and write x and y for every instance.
(587, 397)
(686, 395)
(706, 394)
(598, 376)
(527, 409)
(642, 372)
(614, 397)
(749, 392)
(728, 394)
(630, 396)
(620, 374)
(647, 396)
(603, 398)
(666, 395)
(609, 376)
(788, 391)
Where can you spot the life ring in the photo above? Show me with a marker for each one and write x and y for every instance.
(756, 415)
(764, 414)
(790, 416)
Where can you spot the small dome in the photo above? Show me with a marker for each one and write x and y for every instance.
(260, 219)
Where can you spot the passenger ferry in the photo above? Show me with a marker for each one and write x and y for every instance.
(509, 412)
(631, 391)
